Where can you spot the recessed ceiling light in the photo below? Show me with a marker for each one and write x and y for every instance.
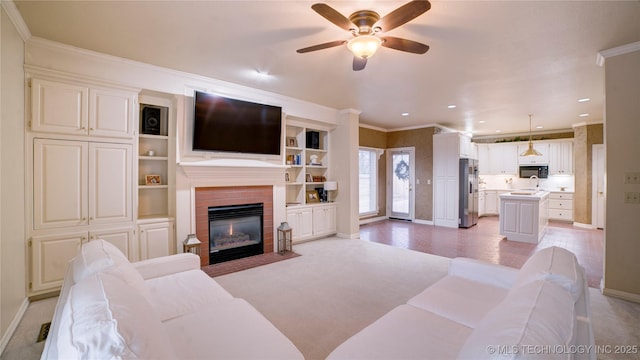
(584, 100)
(405, 114)
(451, 106)
(498, 130)
(583, 115)
(539, 127)
(482, 121)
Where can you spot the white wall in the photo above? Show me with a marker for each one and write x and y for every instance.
(12, 189)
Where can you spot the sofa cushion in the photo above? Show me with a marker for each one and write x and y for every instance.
(534, 316)
(105, 318)
(183, 293)
(405, 332)
(95, 256)
(461, 300)
(229, 330)
(555, 264)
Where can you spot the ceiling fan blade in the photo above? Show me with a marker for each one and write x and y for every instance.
(403, 14)
(404, 45)
(359, 63)
(321, 46)
(332, 15)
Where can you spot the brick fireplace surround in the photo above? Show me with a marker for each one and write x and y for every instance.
(232, 195)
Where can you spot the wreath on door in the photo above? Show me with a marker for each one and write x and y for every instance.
(402, 170)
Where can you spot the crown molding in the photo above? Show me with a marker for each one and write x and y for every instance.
(16, 18)
(620, 50)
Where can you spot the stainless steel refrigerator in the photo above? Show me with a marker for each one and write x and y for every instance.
(468, 197)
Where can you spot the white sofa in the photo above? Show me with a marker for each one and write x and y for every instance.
(486, 311)
(163, 308)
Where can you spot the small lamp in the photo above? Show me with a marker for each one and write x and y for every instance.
(284, 237)
(191, 244)
(330, 186)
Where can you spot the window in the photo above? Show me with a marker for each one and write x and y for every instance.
(368, 180)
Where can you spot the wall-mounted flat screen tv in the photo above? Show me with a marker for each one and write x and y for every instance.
(231, 125)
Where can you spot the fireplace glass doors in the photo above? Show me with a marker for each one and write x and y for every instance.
(235, 232)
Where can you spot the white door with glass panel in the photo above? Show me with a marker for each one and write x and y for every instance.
(401, 179)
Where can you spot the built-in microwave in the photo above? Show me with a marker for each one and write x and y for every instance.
(541, 171)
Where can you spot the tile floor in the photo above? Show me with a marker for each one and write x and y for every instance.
(483, 242)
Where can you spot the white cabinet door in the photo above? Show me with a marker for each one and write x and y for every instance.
(122, 238)
(542, 148)
(60, 179)
(301, 222)
(50, 256)
(156, 240)
(324, 220)
(483, 159)
(491, 202)
(561, 158)
(58, 107)
(110, 179)
(111, 113)
(481, 203)
(503, 159)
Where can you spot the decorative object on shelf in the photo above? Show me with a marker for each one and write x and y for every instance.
(313, 160)
(402, 170)
(284, 238)
(309, 177)
(530, 151)
(286, 177)
(330, 186)
(312, 196)
(151, 153)
(191, 244)
(292, 142)
(152, 180)
(319, 179)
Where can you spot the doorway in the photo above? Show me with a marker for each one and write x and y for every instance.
(401, 179)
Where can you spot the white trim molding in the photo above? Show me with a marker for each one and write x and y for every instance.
(621, 295)
(12, 11)
(620, 50)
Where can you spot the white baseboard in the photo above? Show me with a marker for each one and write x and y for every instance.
(348, 236)
(373, 219)
(585, 226)
(424, 222)
(13, 325)
(622, 295)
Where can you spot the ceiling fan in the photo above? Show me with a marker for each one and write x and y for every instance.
(364, 25)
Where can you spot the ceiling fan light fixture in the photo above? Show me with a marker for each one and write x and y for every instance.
(364, 46)
(530, 150)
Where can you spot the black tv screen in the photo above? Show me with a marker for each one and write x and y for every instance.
(231, 125)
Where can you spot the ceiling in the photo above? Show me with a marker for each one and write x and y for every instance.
(497, 61)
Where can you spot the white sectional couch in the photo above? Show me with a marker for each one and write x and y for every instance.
(163, 308)
(486, 311)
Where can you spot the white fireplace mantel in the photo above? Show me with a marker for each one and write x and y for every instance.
(235, 169)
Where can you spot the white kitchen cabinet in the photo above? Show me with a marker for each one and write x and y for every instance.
(77, 109)
(542, 148)
(446, 173)
(561, 206)
(561, 158)
(79, 183)
(524, 218)
(481, 202)
(503, 159)
(468, 149)
(483, 159)
(50, 256)
(324, 220)
(491, 202)
(156, 239)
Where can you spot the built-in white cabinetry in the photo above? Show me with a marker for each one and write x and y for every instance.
(483, 159)
(491, 202)
(468, 149)
(446, 174)
(156, 239)
(503, 159)
(561, 158)
(561, 206)
(481, 202)
(81, 183)
(123, 238)
(541, 147)
(74, 108)
(312, 221)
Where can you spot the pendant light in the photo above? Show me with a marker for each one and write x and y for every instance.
(530, 151)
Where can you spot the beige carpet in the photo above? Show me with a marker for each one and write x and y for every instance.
(334, 289)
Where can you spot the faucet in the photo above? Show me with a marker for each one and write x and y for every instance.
(537, 181)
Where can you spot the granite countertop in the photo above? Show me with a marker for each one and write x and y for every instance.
(525, 195)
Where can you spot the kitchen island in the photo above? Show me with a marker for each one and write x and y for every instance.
(524, 215)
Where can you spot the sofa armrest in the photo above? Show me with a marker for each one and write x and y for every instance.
(483, 272)
(167, 265)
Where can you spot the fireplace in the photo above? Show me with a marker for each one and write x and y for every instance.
(235, 232)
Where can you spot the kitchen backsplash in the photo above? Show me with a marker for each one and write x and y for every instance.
(553, 183)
